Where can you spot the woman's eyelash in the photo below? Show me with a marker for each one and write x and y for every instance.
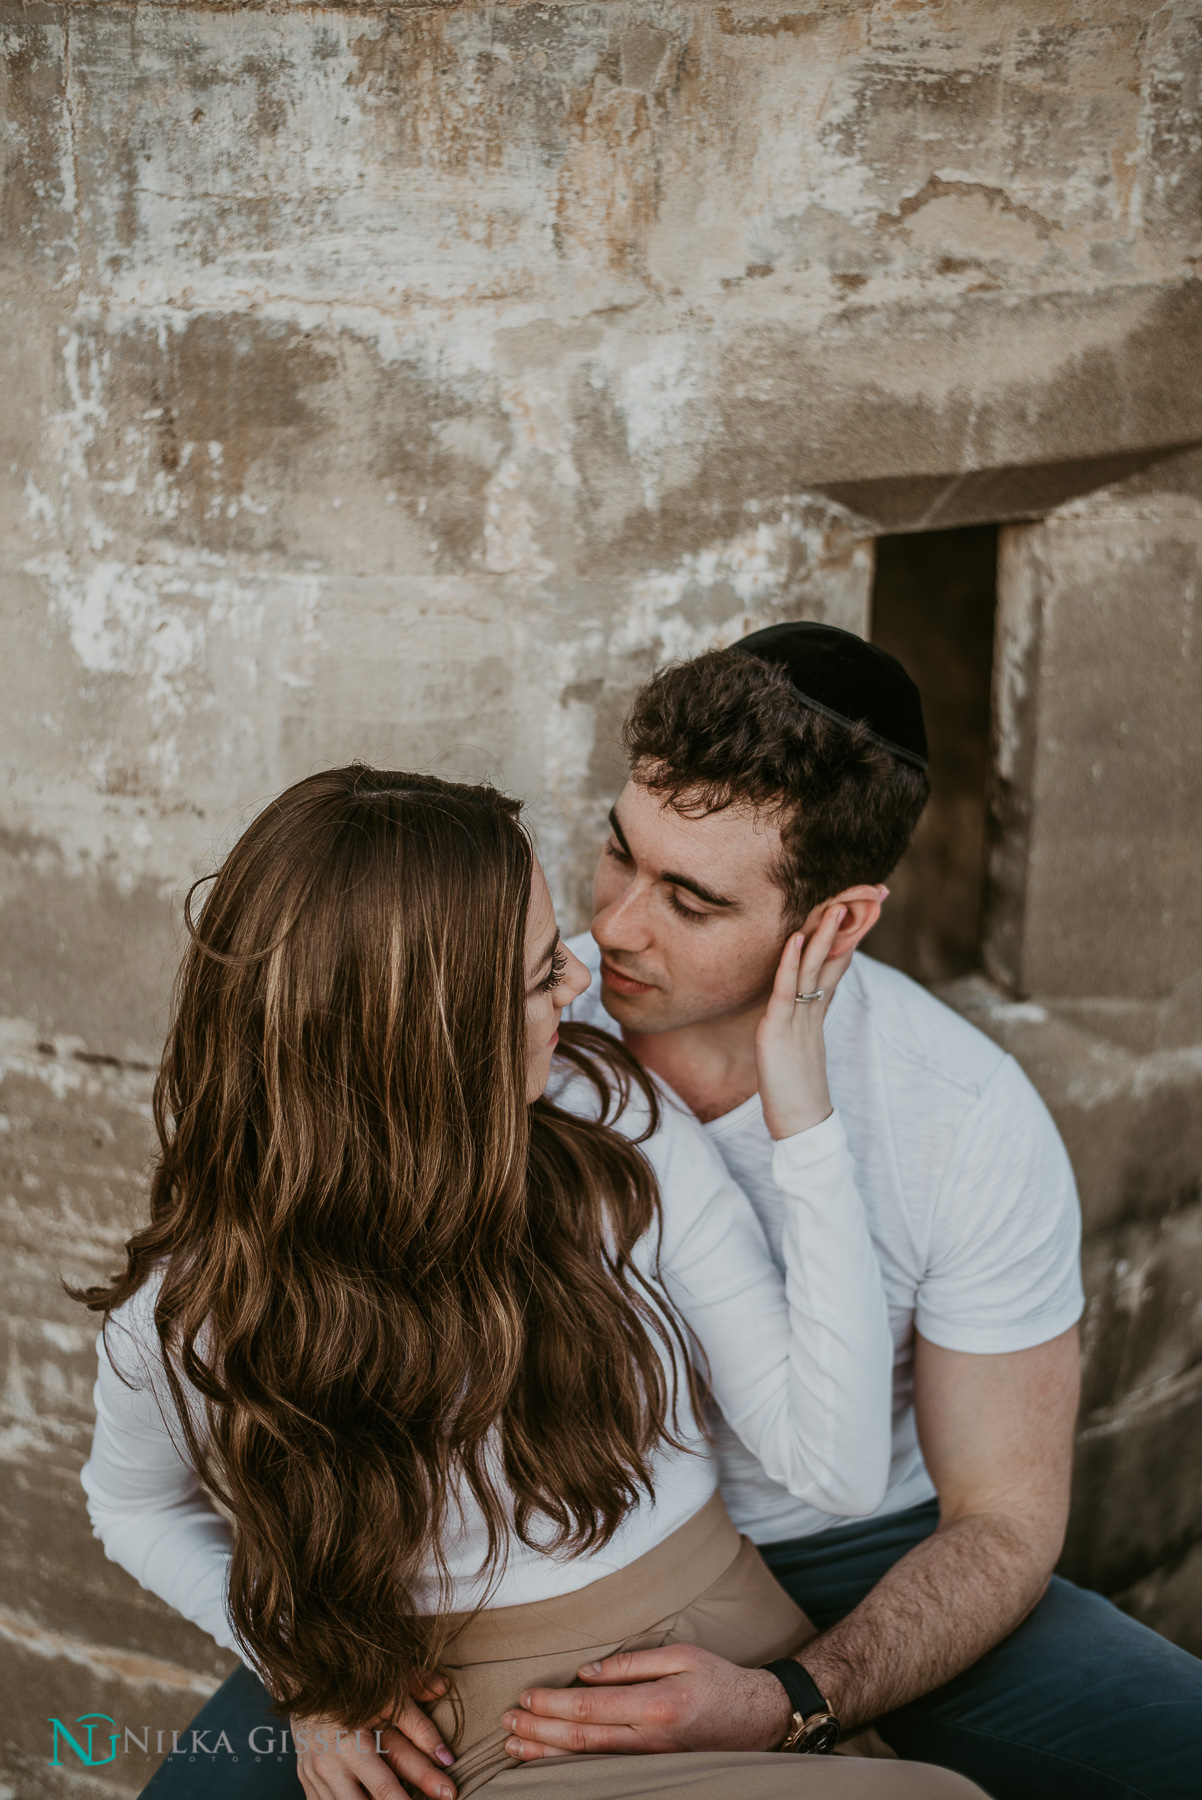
(618, 854)
(557, 971)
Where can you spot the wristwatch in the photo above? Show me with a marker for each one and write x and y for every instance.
(813, 1729)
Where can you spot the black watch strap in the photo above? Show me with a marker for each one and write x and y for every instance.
(803, 1691)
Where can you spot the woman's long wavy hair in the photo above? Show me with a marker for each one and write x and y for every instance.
(386, 1273)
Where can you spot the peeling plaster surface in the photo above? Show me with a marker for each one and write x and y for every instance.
(406, 382)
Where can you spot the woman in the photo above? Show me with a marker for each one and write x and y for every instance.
(425, 1335)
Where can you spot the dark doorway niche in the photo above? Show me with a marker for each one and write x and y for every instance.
(933, 603)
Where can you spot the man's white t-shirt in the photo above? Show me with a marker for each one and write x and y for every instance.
(968, 1190)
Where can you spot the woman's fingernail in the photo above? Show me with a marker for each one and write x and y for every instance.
(525, 1699)
(591, 1669)
(842, 914)
(513, 1747)
(444, 1756)
(884, 893)
(509, 1722)
(446, 1793)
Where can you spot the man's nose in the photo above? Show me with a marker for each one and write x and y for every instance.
(625, 923)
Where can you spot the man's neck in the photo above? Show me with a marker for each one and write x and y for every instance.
(710, 1065)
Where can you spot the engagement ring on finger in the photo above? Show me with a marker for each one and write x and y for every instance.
(818, 994)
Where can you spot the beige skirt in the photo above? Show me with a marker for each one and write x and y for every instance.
(704, 1585)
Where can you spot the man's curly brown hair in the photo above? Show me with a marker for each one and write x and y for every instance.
(726, 730)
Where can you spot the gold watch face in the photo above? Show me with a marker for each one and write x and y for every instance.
(818, 1736)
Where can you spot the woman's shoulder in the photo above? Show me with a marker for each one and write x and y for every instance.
(130, 1337)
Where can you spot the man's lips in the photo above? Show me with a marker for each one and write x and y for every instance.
(624, 984)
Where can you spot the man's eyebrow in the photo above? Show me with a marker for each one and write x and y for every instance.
(681, 881)
(617, 829)
(695, 887)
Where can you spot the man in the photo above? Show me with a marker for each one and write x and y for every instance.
(769, 784)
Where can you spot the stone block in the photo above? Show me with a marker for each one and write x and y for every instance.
(1137, 1486)
(1170, 1600)
(1171, 1023)
(931, 502)
(1130, 1124)
(1132, 1121)
(1096, 871)
(1143, 1321)
(1137, 1493)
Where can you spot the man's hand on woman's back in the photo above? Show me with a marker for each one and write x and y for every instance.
(640, 1701)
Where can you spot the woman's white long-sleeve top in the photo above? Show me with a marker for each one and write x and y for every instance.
(802, 1372)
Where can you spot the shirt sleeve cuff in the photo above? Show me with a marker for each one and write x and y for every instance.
(806, 1149)
(997, 1340)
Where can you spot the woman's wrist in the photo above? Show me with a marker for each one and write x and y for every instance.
(798, 1117)
(812, 1147)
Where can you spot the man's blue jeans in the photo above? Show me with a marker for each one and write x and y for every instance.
(1080, 1703)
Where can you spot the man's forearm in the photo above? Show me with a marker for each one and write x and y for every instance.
(939, 1609)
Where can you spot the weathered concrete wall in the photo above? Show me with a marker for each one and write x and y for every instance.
(383, 381)
(404, 382)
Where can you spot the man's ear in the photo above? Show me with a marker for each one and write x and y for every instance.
(863, 906)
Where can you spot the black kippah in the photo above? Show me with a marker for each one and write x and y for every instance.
(839, 675)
